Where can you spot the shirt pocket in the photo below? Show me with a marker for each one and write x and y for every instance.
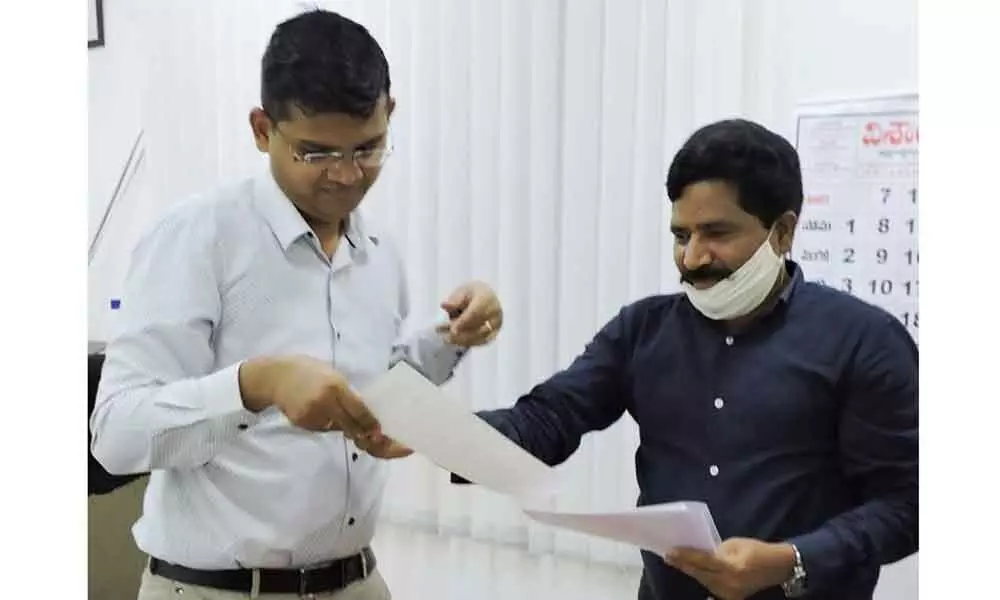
(365, 342)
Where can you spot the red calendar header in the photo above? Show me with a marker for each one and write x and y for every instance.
(892, 132)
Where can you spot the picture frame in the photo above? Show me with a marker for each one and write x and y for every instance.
(95, 24)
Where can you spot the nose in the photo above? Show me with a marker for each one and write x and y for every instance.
(344, 172)
(695, 255)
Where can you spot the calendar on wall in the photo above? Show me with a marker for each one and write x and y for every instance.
(858, 227)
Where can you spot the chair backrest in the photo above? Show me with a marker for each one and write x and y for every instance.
(99, 481)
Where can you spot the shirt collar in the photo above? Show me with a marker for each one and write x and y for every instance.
(798, 278)
(289, 226)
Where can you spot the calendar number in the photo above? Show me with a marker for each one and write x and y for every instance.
(881, 256)
(882, 287)
(883, 225)
(912, 257)
(911, 319)
(848, 255)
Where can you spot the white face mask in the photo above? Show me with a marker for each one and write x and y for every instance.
(743, 291)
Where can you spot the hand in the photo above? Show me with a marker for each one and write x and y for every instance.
(739, 568)
(385, 447)
(311, 394)
(475, 315)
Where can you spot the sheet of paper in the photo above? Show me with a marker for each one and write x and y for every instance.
(418, 414)
(415, 412)
(657, 528)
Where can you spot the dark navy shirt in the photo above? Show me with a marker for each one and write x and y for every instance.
(802, 428)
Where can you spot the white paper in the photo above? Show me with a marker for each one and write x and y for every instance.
(418, 414)
(658, 528)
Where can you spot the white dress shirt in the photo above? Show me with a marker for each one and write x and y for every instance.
(220, 280)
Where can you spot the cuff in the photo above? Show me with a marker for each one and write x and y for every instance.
(436, 356)
(819, 551)
(220, 395)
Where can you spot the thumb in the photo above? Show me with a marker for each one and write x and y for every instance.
(456, 302)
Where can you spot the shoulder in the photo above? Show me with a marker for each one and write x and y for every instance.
(653, 307)
(851, 312)
(870, 333)
(196, 221)
(643, 317)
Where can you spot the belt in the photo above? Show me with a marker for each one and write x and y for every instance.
(330, 578)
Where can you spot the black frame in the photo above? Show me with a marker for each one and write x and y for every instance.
(99, 42)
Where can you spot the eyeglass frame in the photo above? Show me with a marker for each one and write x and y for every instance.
(316, 159)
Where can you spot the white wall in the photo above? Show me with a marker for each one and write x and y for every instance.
(115, 75)
(554, 118)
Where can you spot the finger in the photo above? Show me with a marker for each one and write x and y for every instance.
(475, 315)
(481, 337)
(456, 302)
(386, 448)
(696, 559)
(393, 449)
(362, 420)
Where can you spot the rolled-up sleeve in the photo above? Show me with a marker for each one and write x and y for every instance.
(162, 403)
(879, 457)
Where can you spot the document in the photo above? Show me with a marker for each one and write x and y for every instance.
(415, 412)
(658, 528)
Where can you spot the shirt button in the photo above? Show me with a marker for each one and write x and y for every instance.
(242, 426)
(350, 521)
(729, 340)
(713, 470)
(354, 456)
(719, 403)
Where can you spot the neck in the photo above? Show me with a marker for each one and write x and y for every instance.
(329, 234)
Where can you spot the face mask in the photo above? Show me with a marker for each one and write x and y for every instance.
(743, 291)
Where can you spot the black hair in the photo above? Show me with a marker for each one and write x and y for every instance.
(761, 165)
(322, 62)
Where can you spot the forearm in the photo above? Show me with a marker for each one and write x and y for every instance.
(879, 532)
(538, 429)
(530, 427)
(139, 425)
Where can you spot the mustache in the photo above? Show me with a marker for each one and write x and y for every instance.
(707, 273)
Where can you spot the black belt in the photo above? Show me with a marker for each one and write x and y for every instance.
(331, 578)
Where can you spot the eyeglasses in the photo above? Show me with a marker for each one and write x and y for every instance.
(366, 158)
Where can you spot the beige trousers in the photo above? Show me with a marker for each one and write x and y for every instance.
(155, 587)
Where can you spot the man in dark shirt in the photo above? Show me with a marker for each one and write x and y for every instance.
(788, 407)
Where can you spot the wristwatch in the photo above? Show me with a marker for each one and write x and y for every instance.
(796, 586)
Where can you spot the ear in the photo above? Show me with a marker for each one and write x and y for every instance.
(389, 107)
(784, 229)
(260, 125)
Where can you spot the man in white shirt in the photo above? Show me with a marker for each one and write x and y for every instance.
(250, 320)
